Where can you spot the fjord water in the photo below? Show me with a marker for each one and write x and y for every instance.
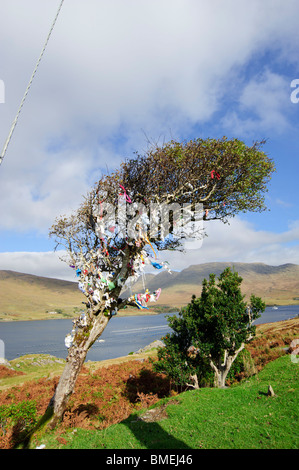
(122, 335)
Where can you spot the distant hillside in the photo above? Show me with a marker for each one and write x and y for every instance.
(28, 297)
(275, 284)
(46, 282)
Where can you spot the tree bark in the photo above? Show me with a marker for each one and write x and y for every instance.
(194, 379)
(220, 377)
(223, 368)
(83, 339)
(82, 342)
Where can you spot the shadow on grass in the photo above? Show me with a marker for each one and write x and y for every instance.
(146, 428)
(146, 387)
(21, 438)
(147, 383)
(151, 435)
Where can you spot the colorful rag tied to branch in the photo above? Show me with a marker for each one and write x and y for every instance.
(94, 269)
(128, 199)
(214, 173)
(142, 299)
(156, 265)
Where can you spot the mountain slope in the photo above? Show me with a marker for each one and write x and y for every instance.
(275, 284)
(28, 297)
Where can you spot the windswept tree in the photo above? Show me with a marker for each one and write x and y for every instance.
(152, 202)
(210, 332)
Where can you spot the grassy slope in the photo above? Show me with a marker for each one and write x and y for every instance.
(32, 367)
(240, 417)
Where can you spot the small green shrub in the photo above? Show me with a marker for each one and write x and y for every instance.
(208, 333)
(179, 366)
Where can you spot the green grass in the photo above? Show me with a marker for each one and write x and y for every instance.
(239, 417)
(34, 366)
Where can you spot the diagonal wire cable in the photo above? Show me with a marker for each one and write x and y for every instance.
(28, 87)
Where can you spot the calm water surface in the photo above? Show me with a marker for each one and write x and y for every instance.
(122, 335)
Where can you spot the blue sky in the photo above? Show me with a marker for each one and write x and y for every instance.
(117, 74)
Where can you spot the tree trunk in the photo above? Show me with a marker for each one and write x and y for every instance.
(220, 377)
(223, 368)
(194, 379)
(82, 342)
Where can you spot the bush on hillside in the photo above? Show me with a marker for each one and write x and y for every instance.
(209, 333)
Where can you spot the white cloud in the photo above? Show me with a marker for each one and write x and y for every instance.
(265, 98)
(45, 264)
(240, 242)
(282, 203)
(237, 242)
(116, 70)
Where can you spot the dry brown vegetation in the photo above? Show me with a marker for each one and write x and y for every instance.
(102, 397)
(108, 393)
(272, 341)
(7, 372)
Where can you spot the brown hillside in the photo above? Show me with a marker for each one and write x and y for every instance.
(28, 297)
(275, 284)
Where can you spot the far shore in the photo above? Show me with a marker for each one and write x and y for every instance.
(129, 311)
